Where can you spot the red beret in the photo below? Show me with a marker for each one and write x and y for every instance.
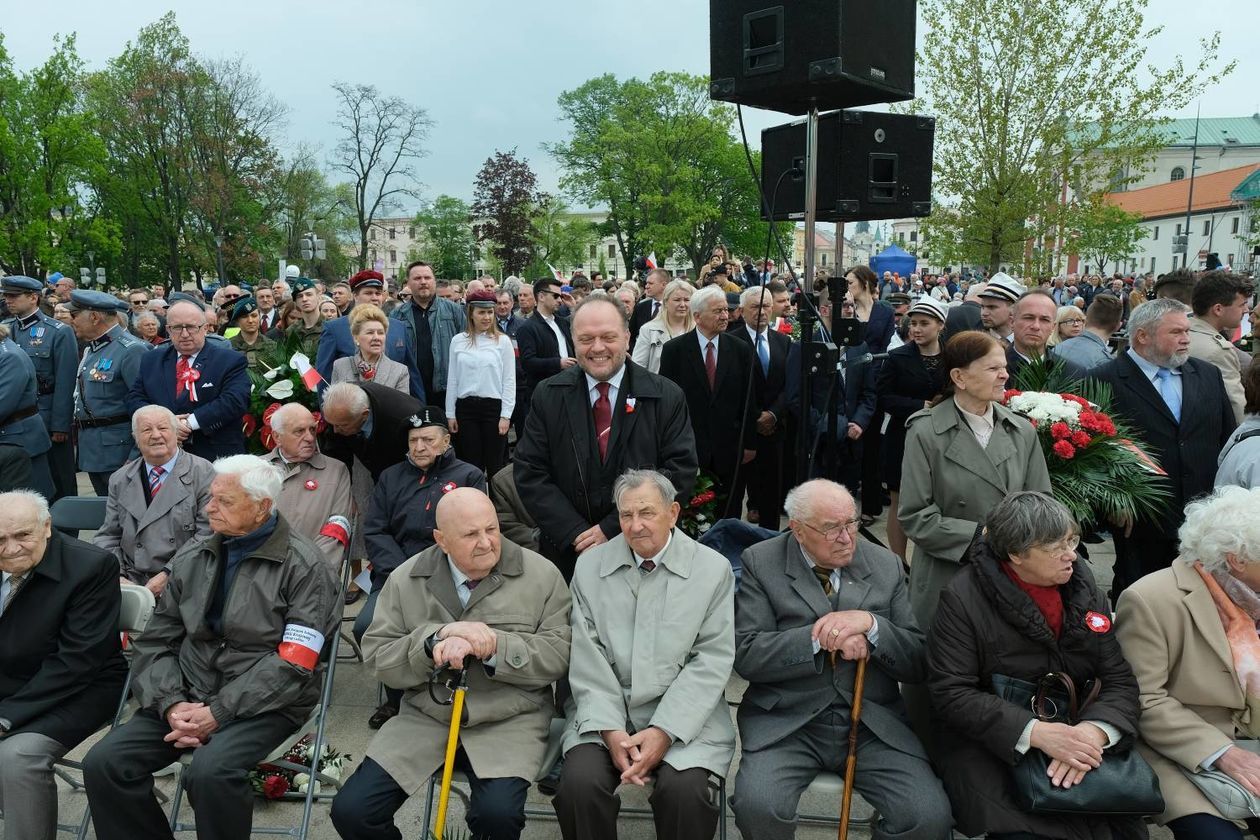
(484, 297)
(367, 279)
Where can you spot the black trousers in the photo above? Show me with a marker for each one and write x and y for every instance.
(100, 482)
(684, 803)
(872, 476)
(365, 806)
(478, 440)
(61, 465)
(118, 773)
(1142, 552)
(765, 483)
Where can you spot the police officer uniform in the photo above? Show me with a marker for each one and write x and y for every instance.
(20, 423)
(110, 365)
(55, 354)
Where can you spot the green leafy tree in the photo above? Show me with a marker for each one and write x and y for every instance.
(1033, 97)
(448, 237)
(503, 203)
(1105, 234)
(382, 139)
(559, 238)
(301, 200)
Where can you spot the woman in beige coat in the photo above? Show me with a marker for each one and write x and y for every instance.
(673, 320)
(963, 455)
(1188, 663)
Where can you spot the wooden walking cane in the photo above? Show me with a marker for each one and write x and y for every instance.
(452, 742)
(850, 764)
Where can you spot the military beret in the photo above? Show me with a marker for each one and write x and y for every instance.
(484, 297)
(367, 279)
(297, 285)
(428, 416)
(95, 301)
(185, 297)
(243, 307)
(20, 284)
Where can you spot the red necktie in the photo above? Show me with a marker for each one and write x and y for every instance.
(181, 375)
(710, 364)
(603, 419)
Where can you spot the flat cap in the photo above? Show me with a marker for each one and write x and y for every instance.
(95, 301)
(20, 284)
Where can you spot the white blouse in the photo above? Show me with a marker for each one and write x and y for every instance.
(481, 367)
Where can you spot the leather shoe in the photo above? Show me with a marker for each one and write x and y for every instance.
(383, 713)
(353, 595)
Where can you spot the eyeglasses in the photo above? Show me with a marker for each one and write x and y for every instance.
(1062, 546)
(833, 533)
(185, 328)
(1073, 321)
(139, 302)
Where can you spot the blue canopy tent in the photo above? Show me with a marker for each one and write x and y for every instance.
(894, 259)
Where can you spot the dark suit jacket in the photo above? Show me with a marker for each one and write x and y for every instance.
(222, 396)
(769, 389)
(557, 469)
(538, 351)
(880, 327)
(1015, 363)
(61, 667)
(1188, 450)
(717, 415)
(641, 315)
(779, 600)
(387, 444)
(336, 342)
(903, 385)
(964, 316)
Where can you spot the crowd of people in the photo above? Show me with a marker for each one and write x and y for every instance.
(512, 463)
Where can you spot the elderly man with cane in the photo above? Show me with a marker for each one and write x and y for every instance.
(472, 596)
(806, 595)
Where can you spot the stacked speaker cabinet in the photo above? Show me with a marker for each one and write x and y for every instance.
(801, 54)
(870, 166)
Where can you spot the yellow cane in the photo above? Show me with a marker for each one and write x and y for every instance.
(452, 742)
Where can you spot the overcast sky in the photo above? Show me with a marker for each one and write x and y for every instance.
(489, 71)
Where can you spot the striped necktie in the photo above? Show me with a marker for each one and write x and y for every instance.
(15, 583)
(155, 480)
(824, 577)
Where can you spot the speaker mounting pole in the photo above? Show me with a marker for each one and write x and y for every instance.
(805, 437)
(811, 194)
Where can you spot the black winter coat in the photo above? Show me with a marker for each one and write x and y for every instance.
(987, 625)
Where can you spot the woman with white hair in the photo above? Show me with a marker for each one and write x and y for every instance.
(1189, 632)
(673, 319)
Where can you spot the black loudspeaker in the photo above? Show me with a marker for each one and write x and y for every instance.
(870, 166)
(806, 53)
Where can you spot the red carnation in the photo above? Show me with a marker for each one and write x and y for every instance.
(275, 786)
(1064, 450)
(271, 409)
(1006, 397)
(1080, 439)
(695, 502)
(1060, 430)
(1084, 403)
(707, 496)
(248, 425)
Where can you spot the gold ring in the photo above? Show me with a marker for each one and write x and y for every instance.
(835, 632)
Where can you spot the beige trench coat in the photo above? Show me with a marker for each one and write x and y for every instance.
(145, 536)
(507, 715)
(1190, 695)
(949, 485)
(655, 649)
(1210, 346)
(315, 494)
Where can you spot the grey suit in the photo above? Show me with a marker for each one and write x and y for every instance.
(145, 535)
(794, 719)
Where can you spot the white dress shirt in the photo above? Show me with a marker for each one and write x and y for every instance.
(981, 425)
(481, 366)
(550, 321)
(614, 388)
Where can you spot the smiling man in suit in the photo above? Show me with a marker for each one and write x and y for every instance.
(713, 370)
(156, 503)
(1185, 416)
(805, 596)
(205, 384)
(590, 423)
(770, 352)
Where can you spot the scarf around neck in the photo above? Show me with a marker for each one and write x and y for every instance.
(1239, 609)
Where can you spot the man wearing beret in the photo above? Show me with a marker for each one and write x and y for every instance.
(204, 383)
(249, 340)
(55, 355)
(336, 342)
(109, 366)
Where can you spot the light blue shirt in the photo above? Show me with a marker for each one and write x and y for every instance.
(465, 594)
(166, 468)
(705, 342)
(1151, 370)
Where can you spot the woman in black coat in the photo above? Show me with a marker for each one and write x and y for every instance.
(879, 319)
(908, 380)
(1022, 607)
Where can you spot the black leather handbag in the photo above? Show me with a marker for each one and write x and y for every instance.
(1124, 785)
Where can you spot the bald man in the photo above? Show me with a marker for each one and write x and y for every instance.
(477, 601)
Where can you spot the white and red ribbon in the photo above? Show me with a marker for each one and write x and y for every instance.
(337, 527)
(301, 646)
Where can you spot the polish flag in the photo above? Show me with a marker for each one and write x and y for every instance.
(555, 272)
(651, 261)
(302, 364)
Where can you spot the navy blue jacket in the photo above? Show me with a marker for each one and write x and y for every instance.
(222, 396)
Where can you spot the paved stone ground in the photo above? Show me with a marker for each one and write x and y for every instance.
(354, 699)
